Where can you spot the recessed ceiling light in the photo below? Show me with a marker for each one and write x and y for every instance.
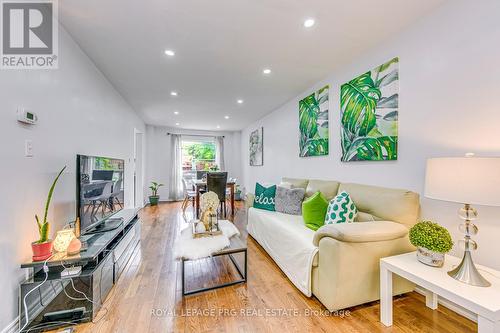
(309, 23)
(240, 101)
(170, 53)
(176, 112)
(173, 93)
(266, 71)
(226, 117)
(177, 124)
(218, 126)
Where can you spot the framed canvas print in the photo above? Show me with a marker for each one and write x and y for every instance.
(313, 124)
(256, 147)
(369, 115)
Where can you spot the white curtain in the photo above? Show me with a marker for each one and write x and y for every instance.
(175, 191)
(219, 152)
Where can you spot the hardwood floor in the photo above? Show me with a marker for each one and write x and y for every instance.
(148, 297)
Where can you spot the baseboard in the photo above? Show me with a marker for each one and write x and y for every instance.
(451, 306)
(12, 327)
(161, 201)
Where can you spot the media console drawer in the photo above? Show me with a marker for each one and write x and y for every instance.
(123, 257)
(122, 246)
(102, 282)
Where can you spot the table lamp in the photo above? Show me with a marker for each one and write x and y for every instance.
(66, 241)
(467, 180)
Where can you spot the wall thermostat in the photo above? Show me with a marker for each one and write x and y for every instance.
(26, 116)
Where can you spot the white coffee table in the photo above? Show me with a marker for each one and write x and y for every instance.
(485, 302)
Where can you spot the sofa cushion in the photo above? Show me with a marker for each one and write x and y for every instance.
(314, 210)
(289, 201)
(365, 217)
(296, 182)
(341, 209)
(385, 203)
(286, 185)
(249, 200)
(361, 232)
(264, 197)
(329, 188)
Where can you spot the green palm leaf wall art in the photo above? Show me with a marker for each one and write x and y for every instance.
(313, 124)
(369, 119)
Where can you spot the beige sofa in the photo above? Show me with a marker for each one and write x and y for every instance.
(343, 258)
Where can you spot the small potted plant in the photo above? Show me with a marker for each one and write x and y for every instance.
(432, 242)
(42, 248)
(154, 198)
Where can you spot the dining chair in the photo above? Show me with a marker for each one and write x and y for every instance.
(91, 196)
(117, 191)
(189, 194)
(200, 174)
(217, 182)
(104, 198)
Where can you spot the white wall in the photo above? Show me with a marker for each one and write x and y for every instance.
(449, 84)
(158, 160)
(79, 112)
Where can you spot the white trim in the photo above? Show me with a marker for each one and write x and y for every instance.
(12, 327)
(139, 190)
(450, 305)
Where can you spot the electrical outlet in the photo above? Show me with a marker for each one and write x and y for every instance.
(28, 148)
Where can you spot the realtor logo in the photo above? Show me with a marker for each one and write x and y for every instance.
(29, 34)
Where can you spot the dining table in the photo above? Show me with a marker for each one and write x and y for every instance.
(201, 184)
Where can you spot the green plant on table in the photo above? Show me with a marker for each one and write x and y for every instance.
(44, 226)
(154, 188)
(431, 236)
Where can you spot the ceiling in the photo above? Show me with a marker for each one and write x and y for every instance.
(221, 48)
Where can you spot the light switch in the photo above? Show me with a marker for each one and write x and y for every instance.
(28, 148)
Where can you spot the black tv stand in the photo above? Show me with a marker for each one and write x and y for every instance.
(107, 225)
(102, 263)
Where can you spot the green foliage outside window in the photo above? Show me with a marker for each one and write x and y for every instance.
(198, 155)
(201, 151)
(103, 163)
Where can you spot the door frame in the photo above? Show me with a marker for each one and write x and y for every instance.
(138, 169)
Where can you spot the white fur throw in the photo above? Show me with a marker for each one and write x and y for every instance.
(191, 248)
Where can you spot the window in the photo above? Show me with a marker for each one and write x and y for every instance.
(197, 155)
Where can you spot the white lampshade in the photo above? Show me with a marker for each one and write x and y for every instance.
(467, 180)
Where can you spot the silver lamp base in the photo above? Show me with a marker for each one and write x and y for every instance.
(467, 272)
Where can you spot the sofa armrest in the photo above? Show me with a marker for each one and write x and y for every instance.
(249, 198)
(361, 232)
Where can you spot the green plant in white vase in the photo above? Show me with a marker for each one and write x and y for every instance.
(432, 242)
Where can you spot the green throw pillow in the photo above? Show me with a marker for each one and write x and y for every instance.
(341, 209)
(314, 210)
(264, 197)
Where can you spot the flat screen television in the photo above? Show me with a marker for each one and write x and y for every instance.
(100, 190)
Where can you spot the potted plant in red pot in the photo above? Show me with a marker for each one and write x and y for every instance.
(42, 248)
